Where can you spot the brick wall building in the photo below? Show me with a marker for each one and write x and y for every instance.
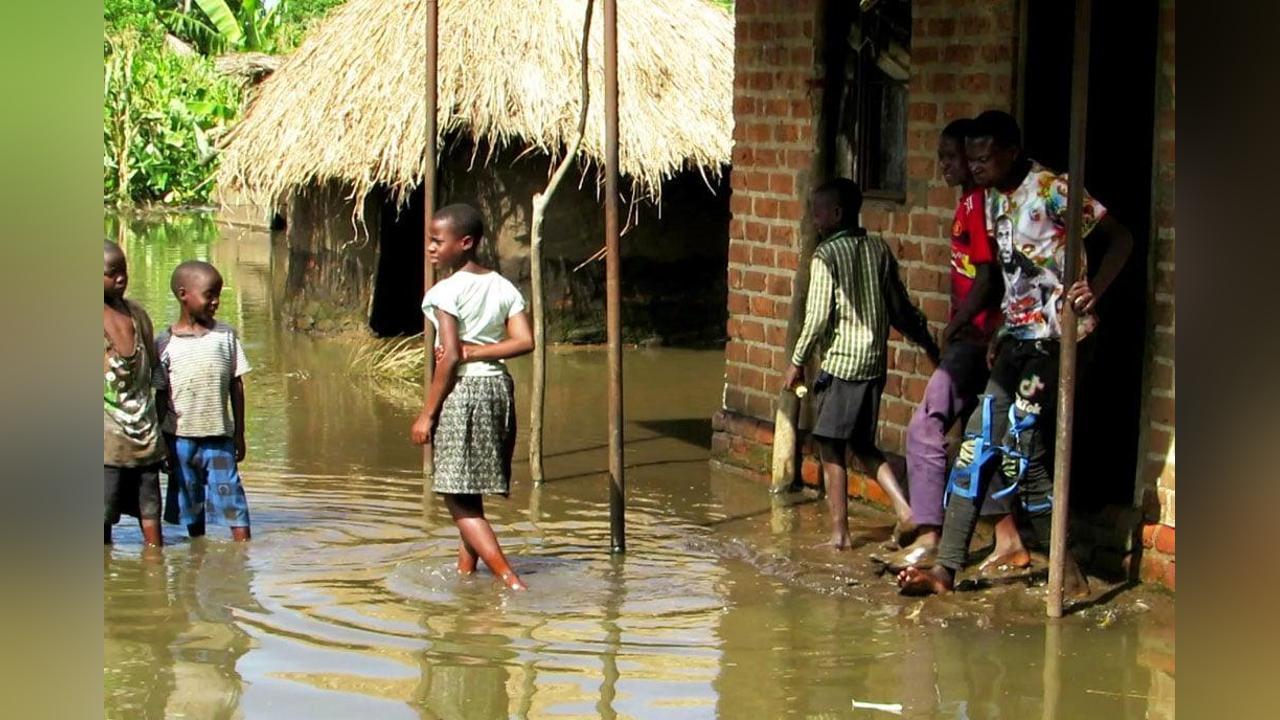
(1156, 489)
(964, 58)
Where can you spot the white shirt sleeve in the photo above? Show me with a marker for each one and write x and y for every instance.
(517, 300)
(440, 297)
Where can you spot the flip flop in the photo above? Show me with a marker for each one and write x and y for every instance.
(923, 558)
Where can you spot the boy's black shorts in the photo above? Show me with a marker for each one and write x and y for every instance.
(132, 491)
(847, 410)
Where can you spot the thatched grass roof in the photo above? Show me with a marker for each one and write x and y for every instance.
(349, 103)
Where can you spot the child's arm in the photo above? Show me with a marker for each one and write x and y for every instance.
(441, 380)
(817, 312)
(905, 316)
(237, 412)
(519, 341)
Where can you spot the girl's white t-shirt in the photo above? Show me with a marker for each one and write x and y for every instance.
(481, 302)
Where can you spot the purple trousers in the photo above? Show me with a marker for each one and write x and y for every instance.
(951, 395)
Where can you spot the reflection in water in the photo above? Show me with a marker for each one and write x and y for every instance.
(346, 605)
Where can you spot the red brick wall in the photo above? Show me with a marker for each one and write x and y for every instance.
(1157, 466)
(962, 61)
(963, 57)
(774, 72)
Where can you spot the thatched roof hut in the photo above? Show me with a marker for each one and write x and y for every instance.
(348, 105)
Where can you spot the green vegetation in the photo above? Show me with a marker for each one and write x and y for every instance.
(162, 114)
(164, 104)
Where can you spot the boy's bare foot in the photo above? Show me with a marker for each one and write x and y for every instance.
(240, 534)
(1074, 583)
(839, 541)
(916, 581)
(513, 581)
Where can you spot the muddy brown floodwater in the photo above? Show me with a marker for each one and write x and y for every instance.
(344, 605)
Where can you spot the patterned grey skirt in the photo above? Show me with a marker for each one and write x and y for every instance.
(475, 437)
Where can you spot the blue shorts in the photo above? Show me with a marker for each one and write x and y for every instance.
(206, 482)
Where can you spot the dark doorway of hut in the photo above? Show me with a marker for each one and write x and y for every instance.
(1118, 166)
(397, 290)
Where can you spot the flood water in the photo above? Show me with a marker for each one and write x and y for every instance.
(345, 605)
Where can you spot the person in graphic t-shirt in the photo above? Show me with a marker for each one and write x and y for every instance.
(1026, 208)
(952, 392)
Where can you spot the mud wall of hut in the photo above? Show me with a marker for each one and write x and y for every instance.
(341, 270)
(328, 257)
(674, 254)
(964, 59)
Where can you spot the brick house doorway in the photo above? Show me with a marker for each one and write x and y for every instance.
(1118, 172)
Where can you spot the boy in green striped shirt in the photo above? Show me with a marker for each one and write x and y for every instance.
(855, 295)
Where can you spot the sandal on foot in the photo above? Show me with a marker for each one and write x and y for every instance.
(914, 556)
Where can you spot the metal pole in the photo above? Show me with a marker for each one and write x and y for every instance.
(429, 162)
(613, 294)
(1067, 361)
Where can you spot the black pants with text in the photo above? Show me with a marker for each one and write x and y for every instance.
(1024, 376)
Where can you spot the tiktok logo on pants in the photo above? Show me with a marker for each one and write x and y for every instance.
(1028, 389)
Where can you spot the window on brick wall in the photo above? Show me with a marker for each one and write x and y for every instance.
(875, 119)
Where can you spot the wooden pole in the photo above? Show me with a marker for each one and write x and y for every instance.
(538, 386)
(830, 56)
(613, 294)
(1067, 361)
(429, 162)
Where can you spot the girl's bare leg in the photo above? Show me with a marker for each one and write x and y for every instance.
(467, 557)
(468, 515)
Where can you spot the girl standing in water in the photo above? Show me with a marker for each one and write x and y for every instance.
(469, 417)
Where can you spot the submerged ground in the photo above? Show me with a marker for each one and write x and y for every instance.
(344, 604)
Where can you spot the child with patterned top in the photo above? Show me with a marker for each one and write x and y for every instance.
(201, 399)
(131, 449)
(1026, 210)
(469, 416)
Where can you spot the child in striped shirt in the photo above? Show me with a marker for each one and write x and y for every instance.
(855, 295)
(200, 396)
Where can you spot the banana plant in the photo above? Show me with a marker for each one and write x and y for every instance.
(249, 25)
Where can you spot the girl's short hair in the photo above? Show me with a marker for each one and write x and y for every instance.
(465, 219)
